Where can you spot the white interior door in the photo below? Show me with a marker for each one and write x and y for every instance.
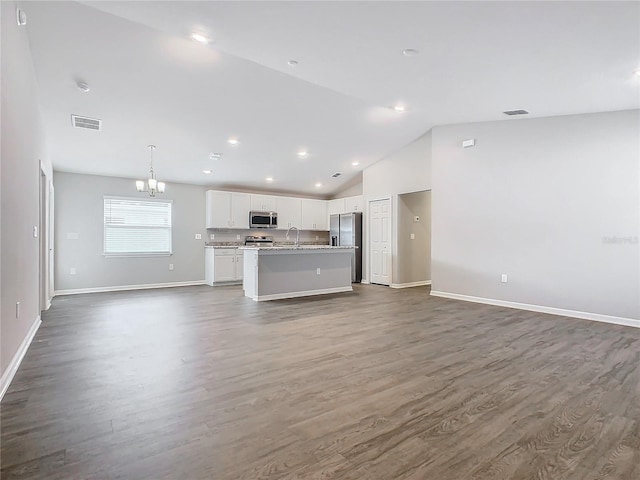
(380, 243)
(51, 242)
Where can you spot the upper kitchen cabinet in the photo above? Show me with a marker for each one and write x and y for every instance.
(289, 212)
(314, 214)
(353, 204)
(335, 206)
(264, 203)
(227, 209)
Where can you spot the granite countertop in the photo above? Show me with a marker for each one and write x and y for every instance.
(301, 247)
(222, 245)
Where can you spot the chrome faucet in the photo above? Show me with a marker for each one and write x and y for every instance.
(297, 235)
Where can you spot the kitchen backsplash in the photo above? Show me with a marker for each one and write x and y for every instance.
(279, 236)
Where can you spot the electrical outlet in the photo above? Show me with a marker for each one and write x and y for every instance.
(503, 279)
(17, 309)
(237, 237)
(198, 236)
(171, 266)
(317, 271)
(72, 271)
(413, 236)
(316, 237)
(212, 236)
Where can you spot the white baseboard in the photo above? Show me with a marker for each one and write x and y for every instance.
(596, 317)
(12, 368)
(366, 282)
(76, 291)
(304, 293)
(411, 284)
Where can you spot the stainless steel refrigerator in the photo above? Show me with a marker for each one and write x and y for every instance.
(346, 230)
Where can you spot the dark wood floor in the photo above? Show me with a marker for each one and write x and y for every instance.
(202, 383)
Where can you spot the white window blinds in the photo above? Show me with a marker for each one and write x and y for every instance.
(133, 226)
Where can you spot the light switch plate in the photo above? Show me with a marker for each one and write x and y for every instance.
(72, 271)
(413, 236)
(72, 236)
(198, 236)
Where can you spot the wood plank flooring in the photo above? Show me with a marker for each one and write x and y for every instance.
(379, 384)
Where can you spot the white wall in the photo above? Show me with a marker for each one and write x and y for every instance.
(23, 147)
(79, 209)
(552, 202)
(405, 171)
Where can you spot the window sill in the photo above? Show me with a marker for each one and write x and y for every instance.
(135, 255)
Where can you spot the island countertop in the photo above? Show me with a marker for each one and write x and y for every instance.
(288, 271)
(294, 247)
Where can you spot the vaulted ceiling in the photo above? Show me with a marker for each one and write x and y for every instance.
(151, 83)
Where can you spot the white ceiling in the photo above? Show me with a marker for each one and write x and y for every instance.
(150, 83)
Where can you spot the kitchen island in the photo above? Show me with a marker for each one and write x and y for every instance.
(272, 273)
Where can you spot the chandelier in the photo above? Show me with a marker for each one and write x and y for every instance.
(151, 185)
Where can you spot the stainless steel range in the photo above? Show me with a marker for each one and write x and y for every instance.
(258, 241)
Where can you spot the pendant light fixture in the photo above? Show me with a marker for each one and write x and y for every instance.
(151, 185)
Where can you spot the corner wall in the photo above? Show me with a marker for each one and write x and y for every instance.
(23, 147)
(405, 171)
(552, 202)
(79, 209)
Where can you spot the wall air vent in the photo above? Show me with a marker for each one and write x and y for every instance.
(86, 122)
(516, 112)
(336, 175)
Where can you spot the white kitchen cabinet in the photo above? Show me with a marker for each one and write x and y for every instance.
(264, 203)
(289, 212)
(314, 214)
(223, 265)
(335, 206)
(353, 204)
(240, 206)
(345, 205)
(227, 209)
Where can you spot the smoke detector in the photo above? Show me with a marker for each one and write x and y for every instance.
(86, 122)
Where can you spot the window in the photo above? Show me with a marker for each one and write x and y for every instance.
(137, 227)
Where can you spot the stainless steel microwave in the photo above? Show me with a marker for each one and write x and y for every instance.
(263, 219)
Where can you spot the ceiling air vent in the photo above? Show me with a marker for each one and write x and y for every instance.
(516, 112)
(336, 175)
(86, 122)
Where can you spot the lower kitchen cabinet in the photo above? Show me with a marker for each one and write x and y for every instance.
(223, 265)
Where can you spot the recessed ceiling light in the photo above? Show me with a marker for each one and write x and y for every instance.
(399, 108)
(318, 185)
(207, 172)
(215, 156)
(303, 154)
(292, 63)
(199, 38)
(233, 141)
(637, 72)
(410, 52)
(355, 163)
(268, 179)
